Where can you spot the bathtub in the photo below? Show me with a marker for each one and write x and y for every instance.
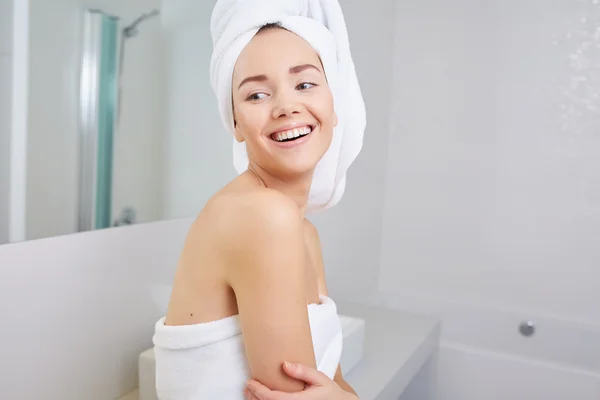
(483, 356)
(470, 373)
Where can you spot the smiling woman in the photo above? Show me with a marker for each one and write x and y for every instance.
(273, 99)
(284, 98)
(240, 306)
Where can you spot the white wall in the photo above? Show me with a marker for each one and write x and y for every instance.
(138, 147)
(5, 109)
(79, 309)
(53, 146)
(491, 208)
(351, 231)
(489, 197)
(52, 110)
(197, 149)
(6, 9)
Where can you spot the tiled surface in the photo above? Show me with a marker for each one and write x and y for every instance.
(493, 179)
(492, 200)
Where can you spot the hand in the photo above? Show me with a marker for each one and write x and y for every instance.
(318, 387)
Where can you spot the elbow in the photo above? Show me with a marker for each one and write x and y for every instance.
(279, 381)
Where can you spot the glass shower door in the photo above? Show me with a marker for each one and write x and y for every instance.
(98, 102)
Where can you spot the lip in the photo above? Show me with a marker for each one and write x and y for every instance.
(294, 143)
(294, 125)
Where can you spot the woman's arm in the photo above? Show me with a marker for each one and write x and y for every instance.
(262, 243)
(319, 387)
(316, 255)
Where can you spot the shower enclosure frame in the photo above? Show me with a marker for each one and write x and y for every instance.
(98, 106)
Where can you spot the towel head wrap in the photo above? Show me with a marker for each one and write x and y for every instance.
(320, 23)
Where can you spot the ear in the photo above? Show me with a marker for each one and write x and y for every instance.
(335, 119)
(238, 135)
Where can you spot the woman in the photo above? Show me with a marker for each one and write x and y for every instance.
(251, 266)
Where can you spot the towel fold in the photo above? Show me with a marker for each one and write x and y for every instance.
(208, 360)
(320, 23)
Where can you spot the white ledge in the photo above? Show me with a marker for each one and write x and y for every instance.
(397, 345)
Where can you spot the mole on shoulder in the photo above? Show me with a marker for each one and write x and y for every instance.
(191, 315)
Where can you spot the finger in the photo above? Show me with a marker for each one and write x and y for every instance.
(311, 376)
(260, 391)
(251, 396)
(248, 395)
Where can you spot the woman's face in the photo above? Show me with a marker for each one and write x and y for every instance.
(283, 107)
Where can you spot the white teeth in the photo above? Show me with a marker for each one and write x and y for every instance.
(292, 133)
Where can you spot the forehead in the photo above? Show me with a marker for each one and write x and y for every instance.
(273, 51)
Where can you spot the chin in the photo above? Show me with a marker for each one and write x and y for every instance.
(303, 162)
(297, 158)
(298, 169)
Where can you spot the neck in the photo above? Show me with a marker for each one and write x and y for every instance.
(296, 187)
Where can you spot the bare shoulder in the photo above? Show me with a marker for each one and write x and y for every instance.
(242, 220)
(255, 232)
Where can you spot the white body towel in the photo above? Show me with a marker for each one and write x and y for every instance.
(321, 23)
(208, 361)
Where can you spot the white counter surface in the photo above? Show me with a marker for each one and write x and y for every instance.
(397, 345)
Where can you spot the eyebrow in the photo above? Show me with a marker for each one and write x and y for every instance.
(299, 68)
(293, 70)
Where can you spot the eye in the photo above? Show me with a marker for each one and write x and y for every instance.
(305, 85)
(256, 96)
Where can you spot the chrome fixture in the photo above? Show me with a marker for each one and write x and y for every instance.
(527, 328)
(132, 29)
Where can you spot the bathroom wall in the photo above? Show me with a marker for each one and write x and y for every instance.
(55, 45)
(199, 158)
(5, 120)
(79, 309)
(138, 161)
(491, 210)
(351, 231)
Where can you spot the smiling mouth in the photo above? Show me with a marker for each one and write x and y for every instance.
(292, 134)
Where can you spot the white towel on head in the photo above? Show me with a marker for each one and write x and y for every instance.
(321, 23)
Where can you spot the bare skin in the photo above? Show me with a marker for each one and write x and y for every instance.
(251, 251)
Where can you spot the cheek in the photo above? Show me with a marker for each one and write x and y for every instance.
(325, 111)
(250, 120)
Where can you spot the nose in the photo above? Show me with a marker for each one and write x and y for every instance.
(286, 105)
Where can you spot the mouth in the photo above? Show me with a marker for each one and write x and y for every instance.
(292, 134)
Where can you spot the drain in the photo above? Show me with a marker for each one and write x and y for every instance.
(527, 328)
